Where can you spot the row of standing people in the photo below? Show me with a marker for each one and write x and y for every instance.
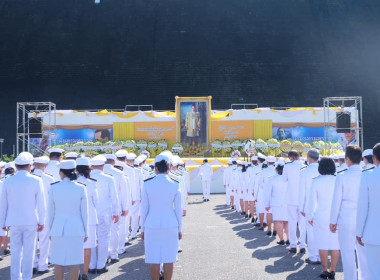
(318, 197)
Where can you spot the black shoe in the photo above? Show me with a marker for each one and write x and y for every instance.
(92, 271)
(282, 242)
(127, 243)
(324, 275)
(302, 251)
(261, 228)
(293, 250)
(269, 233)
(308, 261)
(246, 215)
(252, 220)
(103, 270)
(332, 275)
(112, 261)
(287, 242)
(274, 233)
(242, 213)
(208, 199)
(204, 200)
(7, 252)
(250, 216)
(43, 271)
(265, 224)
(180, 250)
(84, 277)
(35, 271)
(1, 258)
(161, 276)
(232, 207)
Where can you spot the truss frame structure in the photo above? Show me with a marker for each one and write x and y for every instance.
(25, 112)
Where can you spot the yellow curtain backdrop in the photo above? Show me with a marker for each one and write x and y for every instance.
(220, 115)
(123, 131)
(262, 129)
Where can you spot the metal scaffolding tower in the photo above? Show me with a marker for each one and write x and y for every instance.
(346, 104)
(37, 113)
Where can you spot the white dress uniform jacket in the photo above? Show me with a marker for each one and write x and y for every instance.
(53, 169)
(291, 174)
(367, 220)
(206, 172)
(263, 178)
(275, 197)
(121, 186)
(92, 197)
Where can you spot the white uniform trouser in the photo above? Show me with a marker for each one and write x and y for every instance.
(206, 189)
(135, 213)
(294, 217)
(114, 240)
(312, 251)
(348, 245)
(123, 233)
(237, 200)
(228, 195)
(100, 254)
(372, 253)
(41, 262)
(23, 242)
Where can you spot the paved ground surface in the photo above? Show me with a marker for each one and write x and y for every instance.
(218, 244)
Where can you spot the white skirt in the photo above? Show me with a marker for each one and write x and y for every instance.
(67, 250)
(91, 240)
(161, 245)
(248, 196)
(3, 232)
(324, 239)
(280, 213)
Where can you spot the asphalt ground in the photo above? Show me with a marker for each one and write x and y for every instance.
(218, 244)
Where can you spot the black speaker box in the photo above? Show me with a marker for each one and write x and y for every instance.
(343, 122)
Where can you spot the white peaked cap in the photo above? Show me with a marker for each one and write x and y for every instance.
(42, 160)
(55, 150)
(110, 156)
(71, 155)
(10, 164)
(24, 158)
(83, 161)
(342, 156)
(335, 157)
(260, 155)
(368, 152)
(98, 160)
(238, 162)
(168, 153)
(162, 157)
(181, 162)
(2, 164)
(254, 158)
(121, 153)
(280, 162)
(142, 157)
(175, 160)
(271, 159)
(246, 164)
(229, 161)
(67, 164)
(137, 161)
(119, 163)
(131, 156)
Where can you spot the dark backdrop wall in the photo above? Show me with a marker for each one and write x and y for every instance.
(271, 52)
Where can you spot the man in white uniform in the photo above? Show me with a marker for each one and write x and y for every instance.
(368, 159)
(22, 211)
(306, 180)
(71, 155)
(41, 260)
(368, 216)
(342, 163)
(206, 173)
(136, 196)
(291, 174)
(108, 213)
(55, 156)
(343, 213)
(226, 181)
(122, 193)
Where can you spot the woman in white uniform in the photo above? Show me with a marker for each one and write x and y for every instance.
(276, 202)
(318, 215)
(68, 221)
(245, 186)
(83, 169)
(161, 219)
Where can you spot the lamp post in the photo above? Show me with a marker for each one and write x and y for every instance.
(1, 147)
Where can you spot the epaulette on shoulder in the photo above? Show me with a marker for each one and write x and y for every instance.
(54, 183)
(80, 183)
(288, 162)
(149, 179)
(364, 170)
(174, 179)
(49, 175)
(35, 175)
(316, 177)
(271, 176)
(340, 171)
(302, 168)
(92, 179)
(109, 174)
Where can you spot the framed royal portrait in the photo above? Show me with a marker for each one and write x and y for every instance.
(193, 120)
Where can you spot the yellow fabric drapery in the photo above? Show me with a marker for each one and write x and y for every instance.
(102, 113)
(160, 114)
(123, 131)
(125, 115)
(220, 115)
(262, 129)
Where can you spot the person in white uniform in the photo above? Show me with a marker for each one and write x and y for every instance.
(108, 212)
(226, 181)
(233, 183)
(206, 173)
(245, 187)
(55, 156)
(343, 213)
(71, 155)
(41, 261)
(185, 186)
(291, 175)
(9, 170)
(122, 190)
(342, 163)
(368, 159)
(317, 211)
(22, 211)
(261, 194)
(250, 198)
(84, 170)
(161, 220)
(275, 201)
(136, 197)
(368, 216)
(306, 178)
(257, 170)
(68, 222)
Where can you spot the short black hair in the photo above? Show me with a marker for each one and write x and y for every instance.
(104, 133)
(369, 159)
(205, 160)
(354, 153)
(162, 166)
(293, 153)
(326, 166)
(280, 169)
(54, 155)
(9, 171)
(84, 170)
(21, 166)
(261, 160)
(121, 158)
(376, 151)
(69, 173)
